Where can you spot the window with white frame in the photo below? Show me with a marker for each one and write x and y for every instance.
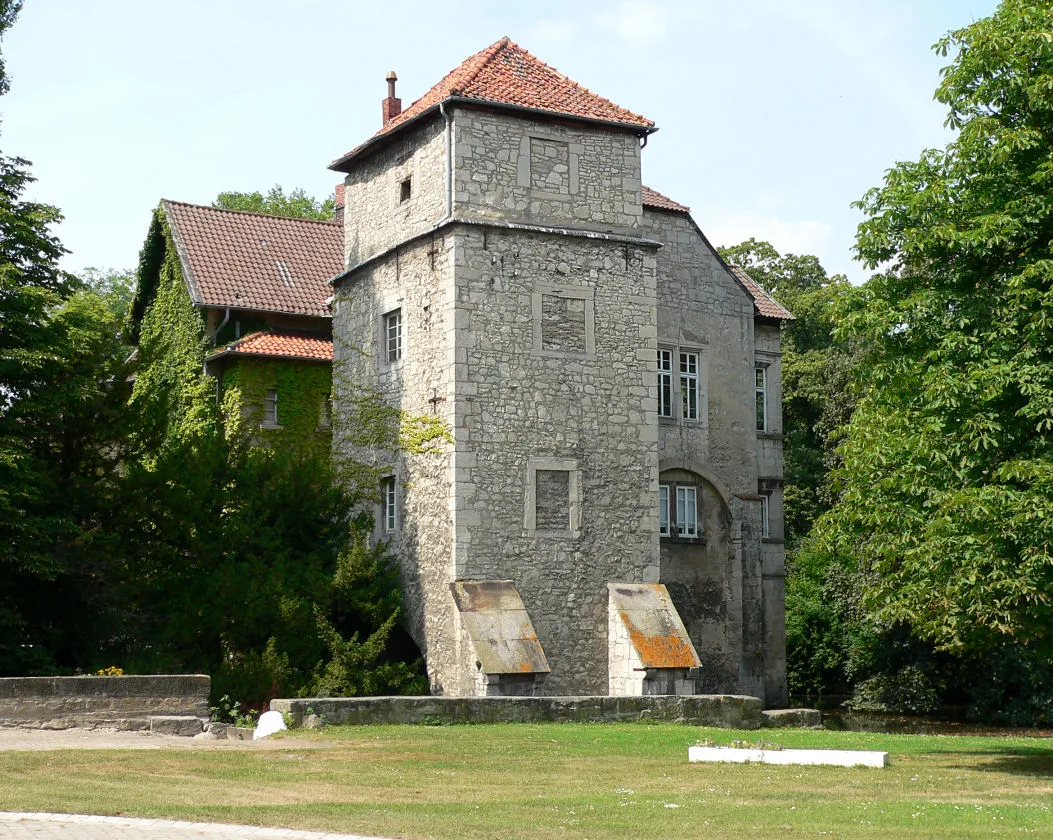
(665, 383)
(689, 385)
(761, 393)
(389, 503)
(678, 511)
(270, 407)
(682, 386)
(393, 336)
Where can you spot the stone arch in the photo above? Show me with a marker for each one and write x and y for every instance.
(700, 576)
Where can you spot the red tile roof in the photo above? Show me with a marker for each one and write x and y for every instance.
(506, 74)
(653, 198)
(764, 304)
(252, 261)
(285, 343)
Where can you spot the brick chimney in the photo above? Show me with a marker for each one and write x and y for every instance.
(392, 106)
(338, 215)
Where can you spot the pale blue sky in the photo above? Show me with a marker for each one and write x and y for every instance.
(774, 116)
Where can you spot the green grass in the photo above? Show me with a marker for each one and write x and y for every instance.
(566, 781)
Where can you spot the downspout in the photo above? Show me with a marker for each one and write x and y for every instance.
(449, 165)
(221, 325)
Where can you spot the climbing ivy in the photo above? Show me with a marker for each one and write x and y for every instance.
(303, 390)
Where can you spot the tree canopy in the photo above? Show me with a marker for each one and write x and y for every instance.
(945, 495)
(297, 204)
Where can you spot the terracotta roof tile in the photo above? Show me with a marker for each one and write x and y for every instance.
(764, 304)
(653, 198)
(286, 343)
(506, 74)
(252, 261)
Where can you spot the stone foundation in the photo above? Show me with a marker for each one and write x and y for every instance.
(724, 710)
(101, 702)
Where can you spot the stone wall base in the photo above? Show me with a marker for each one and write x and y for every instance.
(724, 710)
(124, 703)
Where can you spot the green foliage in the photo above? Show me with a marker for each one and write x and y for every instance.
(303, 390)
(945, 495)
(815, 370)
(297, 204)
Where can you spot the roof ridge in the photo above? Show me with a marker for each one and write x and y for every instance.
(485, 56)
(250, 212)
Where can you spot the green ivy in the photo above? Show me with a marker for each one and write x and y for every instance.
(303, 389)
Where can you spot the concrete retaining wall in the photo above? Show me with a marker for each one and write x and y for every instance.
(101, 702)
(724, 710)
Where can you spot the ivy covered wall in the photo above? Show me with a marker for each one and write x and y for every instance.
(303, 391)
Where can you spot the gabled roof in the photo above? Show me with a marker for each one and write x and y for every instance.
(288, 344)
(653, 198)
(764, 305)
(251, 261)
(504, 74)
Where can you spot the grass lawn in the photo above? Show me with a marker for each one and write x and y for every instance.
(557, 780)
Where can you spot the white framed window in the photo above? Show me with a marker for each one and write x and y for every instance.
(393, 336)
(689, 384)
(270, 407)
(765, 514)
(664, 522)
(686, 512)
(761, 393)
(678, 511)
(389, 505)
(665, 383)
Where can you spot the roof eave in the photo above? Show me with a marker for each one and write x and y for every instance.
(340, 164)
(282, 356)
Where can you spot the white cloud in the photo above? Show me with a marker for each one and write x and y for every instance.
(637, 22)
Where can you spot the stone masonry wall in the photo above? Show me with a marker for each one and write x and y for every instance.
(375, 216)
(521, 170)
(525, 408)
(732, 610)
(416, 281)
(107, 702)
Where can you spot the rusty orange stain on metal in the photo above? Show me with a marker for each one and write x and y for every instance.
(668, 650)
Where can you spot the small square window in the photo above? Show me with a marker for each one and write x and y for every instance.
(393, 336)
(405, 190)
(389, 501)
(270, 408)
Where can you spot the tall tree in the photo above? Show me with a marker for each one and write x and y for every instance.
(815, 369)
(946, 489)
(297, 204)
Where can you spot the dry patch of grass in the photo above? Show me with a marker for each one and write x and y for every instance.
(569, 780)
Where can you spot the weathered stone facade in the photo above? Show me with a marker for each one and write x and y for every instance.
(519, 290)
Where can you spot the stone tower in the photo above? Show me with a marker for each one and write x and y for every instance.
(505, 272)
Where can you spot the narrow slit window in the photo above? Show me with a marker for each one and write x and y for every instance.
(689, 385)
(762, 398)
(665, 383)
(393, 336)
(405, 190)
(663, 510)
(765, 514)
(390, 504)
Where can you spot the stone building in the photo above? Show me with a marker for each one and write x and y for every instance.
(606, 517)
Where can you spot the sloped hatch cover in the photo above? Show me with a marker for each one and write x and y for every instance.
(499, 627)
(654, 626)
